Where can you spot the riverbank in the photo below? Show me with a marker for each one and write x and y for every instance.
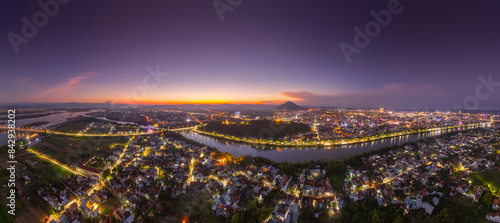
(21, 117)
(301, 154)
(326, 144)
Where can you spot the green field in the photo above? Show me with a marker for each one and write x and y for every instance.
(76, 124)
(4, 216)
(71, 149)
(54, 172)
(491, 178)
(337, 180)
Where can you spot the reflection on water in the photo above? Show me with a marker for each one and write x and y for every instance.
(305, 154)
(51, 119)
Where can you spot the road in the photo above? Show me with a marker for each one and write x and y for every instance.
(96, 135)
(102, 181)
(55, 162)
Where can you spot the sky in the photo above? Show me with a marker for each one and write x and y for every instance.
(428, 54)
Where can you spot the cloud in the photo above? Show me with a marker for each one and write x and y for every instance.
(66, 87)
(110, 102)
(23, 80)
(390, 95)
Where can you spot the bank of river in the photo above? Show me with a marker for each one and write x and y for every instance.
(294, 154)
(50, 120)
(317, 143)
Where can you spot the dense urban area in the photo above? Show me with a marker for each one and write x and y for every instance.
(134, 165)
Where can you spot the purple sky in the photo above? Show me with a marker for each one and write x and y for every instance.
(430, 54)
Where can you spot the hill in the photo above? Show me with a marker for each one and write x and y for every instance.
(290, 106)
(257, 129)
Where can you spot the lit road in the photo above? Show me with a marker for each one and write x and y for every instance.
(95, 135)
(119, 160)
(195, 118)
(55, 162)
(99, 186)
(315, 143)
(77, 169)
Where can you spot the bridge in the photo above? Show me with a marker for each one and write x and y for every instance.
(495, 118)
(182, 129)
(94, 135)
(23, 130)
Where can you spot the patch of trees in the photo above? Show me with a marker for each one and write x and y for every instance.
(258, 129)
(106, 174)
(255, 212)
(201, 211)
(368, 210)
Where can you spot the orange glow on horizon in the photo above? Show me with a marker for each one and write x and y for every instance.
(183, 102)
(212, 102)
(179, 98)
(193, 102)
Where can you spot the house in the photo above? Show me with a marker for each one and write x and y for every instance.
(441, 184)
(428, 208)
(118, 215)
(495, 217)
(107, 219)
(129, 217)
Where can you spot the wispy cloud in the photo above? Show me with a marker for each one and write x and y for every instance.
(23, 80)
(66, 87)
(390, 95)
(111, 102)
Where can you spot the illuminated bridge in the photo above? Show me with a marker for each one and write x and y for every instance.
(495, 118)
(24, 132)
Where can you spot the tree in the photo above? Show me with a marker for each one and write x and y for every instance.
(236, 218)
(375, 216)
(106, 174)
(487, 199)
(444, 216)
(398, 220)
(255, 212)
(400, 195)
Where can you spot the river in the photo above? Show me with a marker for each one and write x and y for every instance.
(306, 154)
(276, 154)
(51, 119)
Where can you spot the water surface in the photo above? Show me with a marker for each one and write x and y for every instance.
(304, 154)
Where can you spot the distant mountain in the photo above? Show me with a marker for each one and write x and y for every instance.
(184, 107)
(290, 106)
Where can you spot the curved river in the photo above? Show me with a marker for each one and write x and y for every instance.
(305, 154)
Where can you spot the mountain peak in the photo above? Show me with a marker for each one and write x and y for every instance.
(290, 106)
